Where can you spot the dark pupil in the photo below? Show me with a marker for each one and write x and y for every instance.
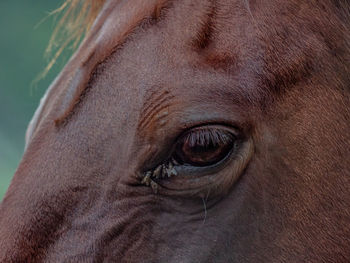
(203, 148)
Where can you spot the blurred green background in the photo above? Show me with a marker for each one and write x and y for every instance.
(22, 48)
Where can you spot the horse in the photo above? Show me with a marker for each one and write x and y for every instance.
(191, 131)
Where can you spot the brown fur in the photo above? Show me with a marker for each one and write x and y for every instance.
(277, 73)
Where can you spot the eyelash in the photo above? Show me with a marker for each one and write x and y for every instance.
(206, 137)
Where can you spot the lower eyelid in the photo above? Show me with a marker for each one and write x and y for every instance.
(217, 179)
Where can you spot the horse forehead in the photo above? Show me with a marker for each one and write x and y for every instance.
(115, 22)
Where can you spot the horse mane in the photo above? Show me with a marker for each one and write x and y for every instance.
(76, 18)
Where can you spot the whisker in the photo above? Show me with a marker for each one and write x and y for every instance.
(205, 211)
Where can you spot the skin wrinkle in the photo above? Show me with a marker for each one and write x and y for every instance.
(152, 111)
(280, 82)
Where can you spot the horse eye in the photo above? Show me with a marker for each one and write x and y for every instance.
(204, 146)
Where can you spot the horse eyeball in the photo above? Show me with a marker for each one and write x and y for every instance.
(204, 146)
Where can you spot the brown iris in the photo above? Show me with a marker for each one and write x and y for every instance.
(204, 146)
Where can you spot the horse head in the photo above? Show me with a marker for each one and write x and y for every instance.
(191, 131)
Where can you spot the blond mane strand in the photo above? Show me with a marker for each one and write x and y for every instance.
(75, 19)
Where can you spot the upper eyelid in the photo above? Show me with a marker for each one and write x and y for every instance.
(218, 126)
